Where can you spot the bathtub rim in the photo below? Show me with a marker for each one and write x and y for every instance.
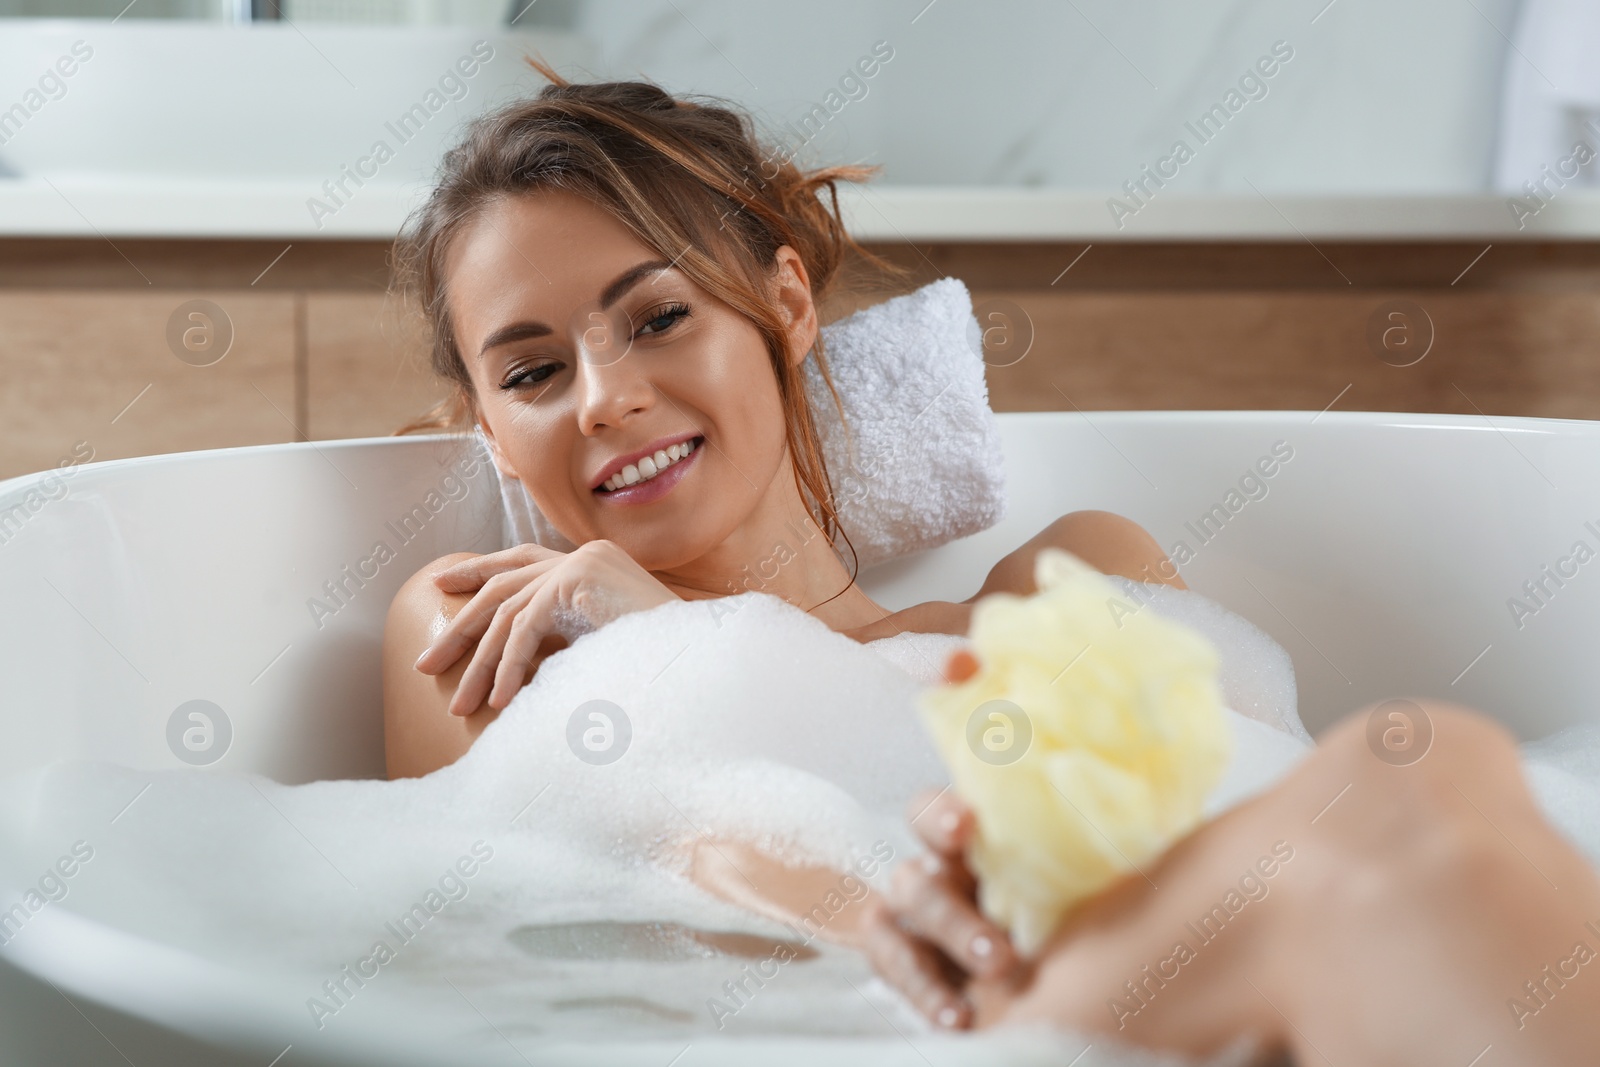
(1534, 424)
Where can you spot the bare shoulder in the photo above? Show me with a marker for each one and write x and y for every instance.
(417, 607)
(419, 734)
(1106, 541)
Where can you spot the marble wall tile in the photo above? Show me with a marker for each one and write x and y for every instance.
(1378, 97)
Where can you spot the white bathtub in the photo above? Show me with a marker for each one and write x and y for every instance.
(1382, 553)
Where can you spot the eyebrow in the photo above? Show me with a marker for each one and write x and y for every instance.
(520, 331)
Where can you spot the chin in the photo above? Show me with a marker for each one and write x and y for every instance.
(655, 553)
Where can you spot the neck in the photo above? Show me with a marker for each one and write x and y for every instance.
(779, 550)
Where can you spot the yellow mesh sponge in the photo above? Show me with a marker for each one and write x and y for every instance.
(1086, 742)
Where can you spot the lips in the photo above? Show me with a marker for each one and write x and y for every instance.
(651, 480)
(621, 463)
(649, 467)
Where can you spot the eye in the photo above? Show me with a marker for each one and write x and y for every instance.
(663, 318)
(529, 375)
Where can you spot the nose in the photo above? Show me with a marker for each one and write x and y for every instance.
(612, 384)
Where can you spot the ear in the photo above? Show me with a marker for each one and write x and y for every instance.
(500, 459)
(792, 295)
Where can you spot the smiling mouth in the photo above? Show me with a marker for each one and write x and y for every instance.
(650, 467)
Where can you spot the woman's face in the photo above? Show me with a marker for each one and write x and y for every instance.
(596, 362)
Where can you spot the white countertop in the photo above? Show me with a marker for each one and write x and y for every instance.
(146, 207)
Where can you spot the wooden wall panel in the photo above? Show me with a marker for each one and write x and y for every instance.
(367, 368)
(1532, 353)
(1516, 331)
(95, 366)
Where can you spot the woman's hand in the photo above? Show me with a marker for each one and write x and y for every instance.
(523, 596)
(930, 941)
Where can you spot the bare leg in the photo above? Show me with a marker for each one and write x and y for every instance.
(1417, 903)
(836, 906)
(1358, 913)
(1107, 542)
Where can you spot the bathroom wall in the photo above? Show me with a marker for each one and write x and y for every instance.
(1363, 96)
(1371, 111)
(1377, 97)
(320, 351)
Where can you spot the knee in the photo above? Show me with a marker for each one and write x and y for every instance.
(1418, 747)
(1417, 813)
(1091, 526)
(1114, 544)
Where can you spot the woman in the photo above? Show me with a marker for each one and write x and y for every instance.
(622, 289)
(613, 278)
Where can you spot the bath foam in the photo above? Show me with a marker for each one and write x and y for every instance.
(814, 765)
(731, 732)
(734, 733)
(1257, 676)
(1563, 772)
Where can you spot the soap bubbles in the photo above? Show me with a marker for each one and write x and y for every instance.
(999, 733)
(1399, 732)
(599, 732)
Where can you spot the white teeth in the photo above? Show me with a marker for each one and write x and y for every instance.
(648, 467)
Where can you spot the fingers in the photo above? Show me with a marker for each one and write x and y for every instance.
(472, 622)
(932, 899)
(915, 968)
(470, 574)
(528, 631)
(479, 676)
(961, 665)
(943, 821)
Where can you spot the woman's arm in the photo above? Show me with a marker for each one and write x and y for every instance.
(1357, 912)
(474, 628)
(419, 735)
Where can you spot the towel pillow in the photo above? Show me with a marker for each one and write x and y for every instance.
(921, 464)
